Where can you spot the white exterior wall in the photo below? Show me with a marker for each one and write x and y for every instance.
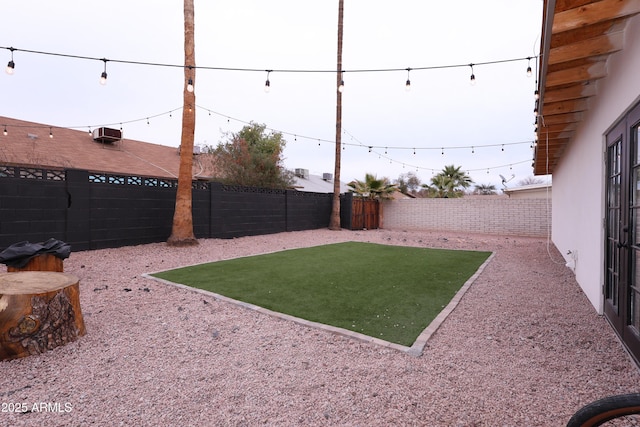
(578, 180)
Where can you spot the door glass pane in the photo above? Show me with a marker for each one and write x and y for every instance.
(613, 224)
(635, 133)
(634, 311)
(634, 293)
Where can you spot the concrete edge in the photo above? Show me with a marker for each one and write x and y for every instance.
(415, 350)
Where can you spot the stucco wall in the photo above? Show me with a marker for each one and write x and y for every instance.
(578, 181)
(522, 217)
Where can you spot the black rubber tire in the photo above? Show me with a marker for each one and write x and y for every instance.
(603, 410)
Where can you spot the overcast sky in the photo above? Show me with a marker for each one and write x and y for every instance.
(491, 122)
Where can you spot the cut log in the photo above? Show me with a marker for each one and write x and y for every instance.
(42, 262)
(39, 311)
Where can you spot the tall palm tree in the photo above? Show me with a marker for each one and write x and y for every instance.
(182, 230)
(334, 220)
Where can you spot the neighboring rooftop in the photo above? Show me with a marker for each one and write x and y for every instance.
(304, 181)
(30, 144)
(531, 191)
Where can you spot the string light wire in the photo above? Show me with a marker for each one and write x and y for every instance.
(262, 70)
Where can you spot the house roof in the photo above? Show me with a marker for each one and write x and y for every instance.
(29, 144)
(578, 37)
(316, 184)
(530, 189)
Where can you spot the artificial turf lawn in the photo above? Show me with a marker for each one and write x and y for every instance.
(387, 292)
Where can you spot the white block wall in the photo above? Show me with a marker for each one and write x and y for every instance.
(520, 217)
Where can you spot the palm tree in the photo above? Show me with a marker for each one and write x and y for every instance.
(372, 187)
(450, 182)
(334, 220)
(182, 230)
(485, 189)
(459, 179)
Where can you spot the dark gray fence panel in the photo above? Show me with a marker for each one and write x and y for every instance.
(31, 212)
(246, 211)
(307, 211)
(93, 210)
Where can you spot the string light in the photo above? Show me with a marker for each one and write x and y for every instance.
(341, 86)
(529, 72)
(11, 65)
(267, 84)
(5, 130)
(103, 76)
(472, 79)
(407, 85)
(190, 81)
(50, 133)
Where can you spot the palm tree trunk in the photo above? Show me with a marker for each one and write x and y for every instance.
(182, 230)
(334, 222)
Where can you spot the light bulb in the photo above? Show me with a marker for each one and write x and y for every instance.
(267, 86)
(5, 131)
(536, 95)
(529, 72)
(190, 85)
(341, 87)
(407, 85)
(10, 67)
(103, 76)
(472, 80)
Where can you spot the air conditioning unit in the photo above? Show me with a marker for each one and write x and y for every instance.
(107, 135)
(302, 173)
(327, 176)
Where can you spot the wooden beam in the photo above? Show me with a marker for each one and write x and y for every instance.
(582, 73)
(593, 13)
(545, 134)
(570, 92)
(553, 119)
(564, 107)
(601, 45)
(560, 127)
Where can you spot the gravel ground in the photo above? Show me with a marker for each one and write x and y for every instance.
(523, 348)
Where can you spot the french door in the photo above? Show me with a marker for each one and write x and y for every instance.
(622, 243)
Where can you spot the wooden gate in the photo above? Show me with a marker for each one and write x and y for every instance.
(365, 214)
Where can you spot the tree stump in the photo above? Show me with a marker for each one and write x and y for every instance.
(39, 311)
(42, 262)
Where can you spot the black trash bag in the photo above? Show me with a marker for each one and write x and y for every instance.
(19, 254)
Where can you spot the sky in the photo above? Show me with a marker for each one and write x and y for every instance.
(486, 129)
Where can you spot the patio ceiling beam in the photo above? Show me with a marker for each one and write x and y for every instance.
(593, 13)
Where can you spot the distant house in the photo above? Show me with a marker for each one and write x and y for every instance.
(103, 150)
(531, 191)
(588, 130)
(304, 181)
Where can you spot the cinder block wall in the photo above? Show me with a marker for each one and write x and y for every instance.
(521, 217)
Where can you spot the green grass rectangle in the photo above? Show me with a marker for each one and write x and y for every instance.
(387, 292)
